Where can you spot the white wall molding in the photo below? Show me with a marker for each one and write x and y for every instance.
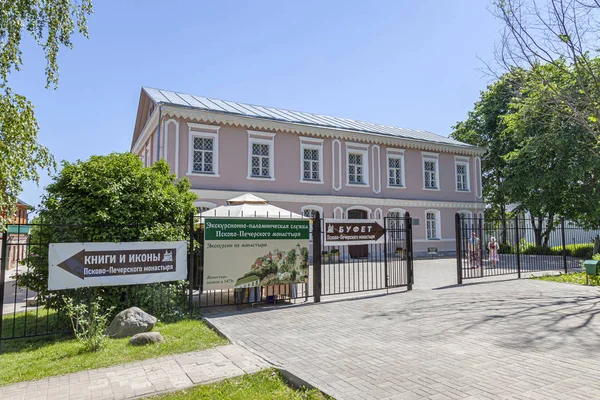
(148, 130)
(204, 116)
(336, 145)
(338, 200)
(376, 168)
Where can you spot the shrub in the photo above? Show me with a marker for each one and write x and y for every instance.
(89, 323)
(505, 248)
(583, 250)
(110, 198)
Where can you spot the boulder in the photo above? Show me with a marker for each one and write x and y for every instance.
(130, 322)
(144, 338)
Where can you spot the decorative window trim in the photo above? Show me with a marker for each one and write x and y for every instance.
(338, 213)
(312, 144)
(378, 213)
(336, 165)
(211, 135)
(365, 165)
(148, 155)
(363, 208)
(431, 157)
(395, 153)
(466, 161)
(478, 182)
(256, 137)
(438, 225)
(315, 208)
(470, 213)
(402, 211)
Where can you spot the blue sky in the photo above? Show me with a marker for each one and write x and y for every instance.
(405, 63)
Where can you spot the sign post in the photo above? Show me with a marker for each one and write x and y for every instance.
(76, 265)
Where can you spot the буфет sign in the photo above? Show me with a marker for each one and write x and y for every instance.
(75, 265)
(352, 231)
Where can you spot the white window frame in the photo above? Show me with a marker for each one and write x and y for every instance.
(399, 154)
(431, 157)
(311, 144)
(395, 233)
(203, 131)
(467, 163)
(438, 225)
(206, 204)
(268, 138)
(363, 208)
(147, 155)
(362, 149)
(315, 208)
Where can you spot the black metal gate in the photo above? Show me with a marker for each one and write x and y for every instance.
(519, 245)
(344, 269)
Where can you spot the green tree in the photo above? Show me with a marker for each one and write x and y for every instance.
(485, 127)
(51, 23)
(110, 198)
(554, 167)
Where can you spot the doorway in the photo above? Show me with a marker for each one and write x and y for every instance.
(358, 250)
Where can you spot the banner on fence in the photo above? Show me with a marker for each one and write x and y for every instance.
(352, 231)
(76, 265)
(252, 252)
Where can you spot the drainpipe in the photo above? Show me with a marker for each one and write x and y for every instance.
(158, 146)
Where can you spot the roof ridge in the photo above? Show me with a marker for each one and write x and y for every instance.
(281, 113)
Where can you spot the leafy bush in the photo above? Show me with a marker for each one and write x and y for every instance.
(110, 198)
(89, 323)
(583, 250)
(505, 248)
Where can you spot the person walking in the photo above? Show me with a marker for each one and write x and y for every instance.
(474, 251)
(493, 249)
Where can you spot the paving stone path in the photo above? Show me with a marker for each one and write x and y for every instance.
(142, 378)
(512, 339)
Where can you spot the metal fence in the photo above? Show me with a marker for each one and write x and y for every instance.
(30, 310)
(333, 270)
(520, 245)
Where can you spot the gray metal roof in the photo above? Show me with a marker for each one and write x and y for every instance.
(293, 117)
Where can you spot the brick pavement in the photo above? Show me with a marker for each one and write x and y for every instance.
(141, 378)
(508, 339)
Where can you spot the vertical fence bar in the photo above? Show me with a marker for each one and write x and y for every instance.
(317, 257)
(409, 251)
(385, 250)
(518, 245)
(3, 261)
(564, 243)
(191, 265)
(458, 249)
(482, 246)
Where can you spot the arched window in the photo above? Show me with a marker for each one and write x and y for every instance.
(310, 212)
(202, 206)
(432, 225)
(395, 223)
(467, 221)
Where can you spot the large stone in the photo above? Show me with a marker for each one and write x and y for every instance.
(130, 322)
(144, 338)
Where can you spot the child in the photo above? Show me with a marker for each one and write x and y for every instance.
(493, 248)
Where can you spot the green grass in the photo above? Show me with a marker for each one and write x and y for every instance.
(35, 358)
(577, 278)
(267, 384)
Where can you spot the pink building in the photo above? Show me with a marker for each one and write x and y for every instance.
(307, 162)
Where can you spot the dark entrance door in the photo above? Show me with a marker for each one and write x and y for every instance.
(358, 250)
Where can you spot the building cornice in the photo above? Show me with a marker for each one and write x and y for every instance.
(147, 131)
(339, 200)
(203, 116)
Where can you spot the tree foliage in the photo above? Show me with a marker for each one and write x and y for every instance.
(110, 198)
(539, 157)
(51, 23)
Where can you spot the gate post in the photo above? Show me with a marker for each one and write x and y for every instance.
(457, 235)
(191, 265)
(518, 245)
(385, 250)
(317, 257)
(564, 243)
(3, 262)
(409, 251)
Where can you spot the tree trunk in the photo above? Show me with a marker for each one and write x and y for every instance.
(504, 231)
